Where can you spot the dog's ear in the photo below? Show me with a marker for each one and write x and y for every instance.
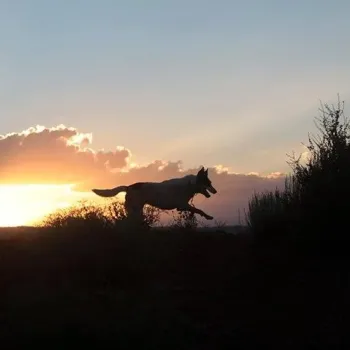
(206, 172)
(200, 172)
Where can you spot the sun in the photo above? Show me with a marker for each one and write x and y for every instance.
(27, 204)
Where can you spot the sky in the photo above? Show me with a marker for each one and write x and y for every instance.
(225, 84)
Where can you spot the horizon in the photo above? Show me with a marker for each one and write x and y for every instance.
(111, 93)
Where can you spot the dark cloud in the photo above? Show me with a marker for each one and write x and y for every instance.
(62, 155)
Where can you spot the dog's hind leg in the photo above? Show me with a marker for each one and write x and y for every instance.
(133, 209)
(195, 210)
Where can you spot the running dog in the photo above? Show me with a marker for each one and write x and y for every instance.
(166, 195)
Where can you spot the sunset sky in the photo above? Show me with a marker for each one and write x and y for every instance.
(225, 84)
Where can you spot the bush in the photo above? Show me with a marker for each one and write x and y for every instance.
(112, 215)
(87, 215)
(81, 215)
(324, 179)
(273, 214)
(184, 220)
(314, 203)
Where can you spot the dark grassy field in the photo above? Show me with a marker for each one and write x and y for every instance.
(164, 290)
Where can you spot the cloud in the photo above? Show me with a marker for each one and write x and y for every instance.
(64, 155)
(55, 155)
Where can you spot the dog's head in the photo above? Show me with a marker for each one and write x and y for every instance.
(204, 184)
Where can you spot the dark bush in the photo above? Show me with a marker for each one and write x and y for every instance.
(273, 214)
(88, 215)
(85, 215)
(314, 204)
(184, 220)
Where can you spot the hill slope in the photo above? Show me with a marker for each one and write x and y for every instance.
(157, 289)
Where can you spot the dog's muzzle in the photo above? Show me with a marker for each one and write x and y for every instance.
(206, 193)
(212, 190)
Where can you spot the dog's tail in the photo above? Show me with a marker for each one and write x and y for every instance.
(110, 192)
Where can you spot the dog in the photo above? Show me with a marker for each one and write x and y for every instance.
(166, 195)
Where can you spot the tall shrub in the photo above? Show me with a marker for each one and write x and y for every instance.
(325, 178)
(314, 204)
(272, 214)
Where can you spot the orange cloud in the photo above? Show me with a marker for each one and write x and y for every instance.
(62, 155)
(55, 155)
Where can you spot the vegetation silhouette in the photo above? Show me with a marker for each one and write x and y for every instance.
(87, 276)
(90, 216)
(312, 210)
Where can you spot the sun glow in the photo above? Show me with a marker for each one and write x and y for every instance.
(27, 204)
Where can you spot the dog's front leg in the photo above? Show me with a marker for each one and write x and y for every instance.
(195, 210)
